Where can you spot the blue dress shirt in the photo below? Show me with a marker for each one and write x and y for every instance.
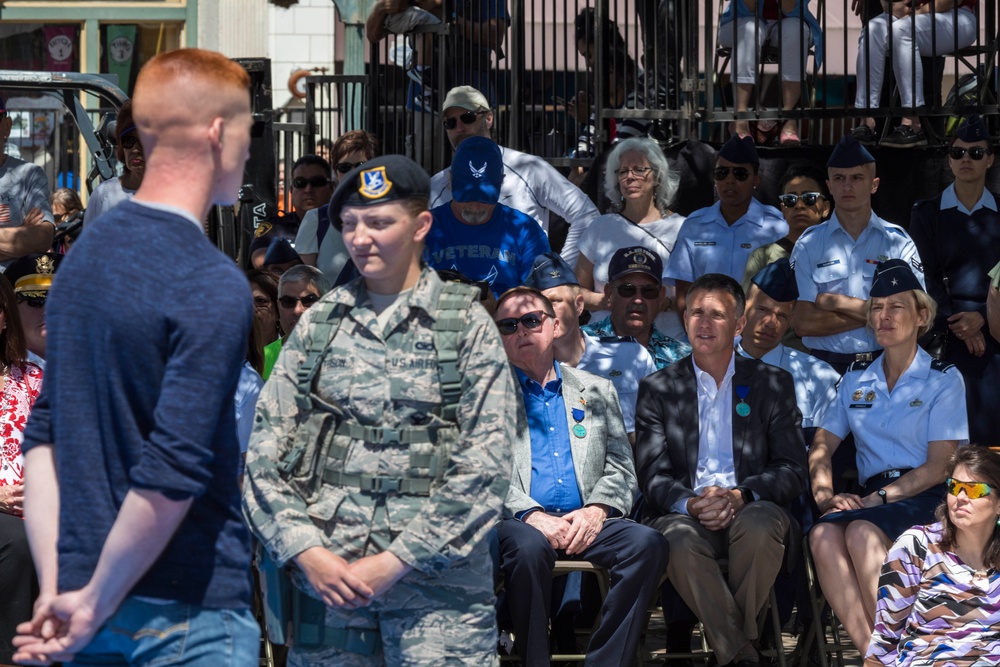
(553, 477)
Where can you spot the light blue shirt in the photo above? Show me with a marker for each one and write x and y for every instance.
(624, 362)
(827, 260)
(706, 243)
(553, 476)
(815, 381)
(892, 430)
(950, 200)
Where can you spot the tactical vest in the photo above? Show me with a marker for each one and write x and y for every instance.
(323, 441)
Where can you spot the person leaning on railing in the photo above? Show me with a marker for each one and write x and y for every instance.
(907, 414)
(919, 28)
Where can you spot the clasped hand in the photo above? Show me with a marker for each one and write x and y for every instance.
(572, 532)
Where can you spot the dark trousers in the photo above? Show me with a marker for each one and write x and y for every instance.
(18, 585)
(635, 556)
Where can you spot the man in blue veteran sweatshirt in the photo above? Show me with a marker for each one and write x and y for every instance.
(132, 502)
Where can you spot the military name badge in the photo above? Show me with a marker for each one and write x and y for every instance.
(742, 408)
(579, 430)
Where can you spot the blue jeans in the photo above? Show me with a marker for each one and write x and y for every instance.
(145, 634)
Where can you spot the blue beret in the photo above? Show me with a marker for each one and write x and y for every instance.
(972, 129)
(892, 277)
(777, 280)
(477, 171)
(849, 153)
(636, 259)
(740, 151)
(280, 251)
(379, 181)
(549, 270)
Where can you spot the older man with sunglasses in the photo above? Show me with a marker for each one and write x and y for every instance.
(720, 238)
(531, 185)
(572, 485)
(635, 290)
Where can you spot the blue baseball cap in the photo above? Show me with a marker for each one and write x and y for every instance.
(477, 171)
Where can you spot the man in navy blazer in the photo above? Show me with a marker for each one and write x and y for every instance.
(572, 486)
(719, 451)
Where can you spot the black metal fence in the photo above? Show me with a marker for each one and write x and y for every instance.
(565, 78)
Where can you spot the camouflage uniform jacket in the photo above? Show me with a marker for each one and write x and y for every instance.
(390, 381)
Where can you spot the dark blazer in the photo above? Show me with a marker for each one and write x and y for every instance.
(769, 452)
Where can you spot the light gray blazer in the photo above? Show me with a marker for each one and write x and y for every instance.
(605, 469)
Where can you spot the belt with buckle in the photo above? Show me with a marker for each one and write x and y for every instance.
(892, 474)
(845, 359)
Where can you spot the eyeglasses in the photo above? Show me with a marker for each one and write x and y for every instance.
(628, 290)
(288, 302)
(346, 167)
(808, 198)
(740, 173)
(508, 325)
(972, 490)
(128, 143)
(976, 152)
(32, 301)
(316, 181)
(638, 172)
(467, 118)
(263, 303)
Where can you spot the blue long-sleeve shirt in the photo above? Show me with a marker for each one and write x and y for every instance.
(147, 330)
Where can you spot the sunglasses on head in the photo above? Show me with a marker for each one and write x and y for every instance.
(315, 181)
(740, 173)
(976, 152)
(972, 490)
(346, 167)
(508, 325)
(288, 302)
(628, 291)
(467, 118)
(808, 198)
(32, 301)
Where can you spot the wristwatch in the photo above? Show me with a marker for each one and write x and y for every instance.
(746, 493)
(882, 495)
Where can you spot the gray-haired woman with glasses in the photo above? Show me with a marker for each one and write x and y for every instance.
(641, 186)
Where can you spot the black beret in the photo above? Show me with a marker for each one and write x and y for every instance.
(777, 280)
(892, 277)
(550, 270)
(379, 181)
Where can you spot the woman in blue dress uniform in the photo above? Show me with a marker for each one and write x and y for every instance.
(958, 236)
(907, 414)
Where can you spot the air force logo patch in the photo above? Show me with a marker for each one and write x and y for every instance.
(374, 183)
(478, 173)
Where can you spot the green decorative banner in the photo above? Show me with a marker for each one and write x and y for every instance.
(121, 52)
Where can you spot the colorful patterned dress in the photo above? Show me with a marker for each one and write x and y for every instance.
(933, 608)
(19, 394)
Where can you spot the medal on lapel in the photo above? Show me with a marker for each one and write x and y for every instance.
(742, 409)
(579, 430)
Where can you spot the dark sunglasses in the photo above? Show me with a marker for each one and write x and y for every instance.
(467, 118)
(808, 198)
(346, 167)
(316, 181)
(508, 325)
(628, 290)
(972, 490)
(976, 152)
(722, 173)
(288, 302)
(32, 301)
(128, 143)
